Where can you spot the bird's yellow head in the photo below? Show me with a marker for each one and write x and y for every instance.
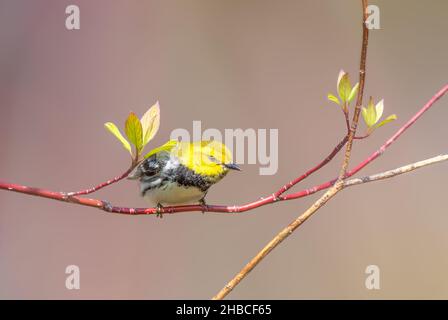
(208, 157)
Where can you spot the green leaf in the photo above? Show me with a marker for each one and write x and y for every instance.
(369, 114)
(344, 87)
(353, 92)
(390, 118)
(134, 131)
(365, 116)
(341, 74)
(333, 98)
(379, 108)
(166, 147)
(114, 130)
(150, 123)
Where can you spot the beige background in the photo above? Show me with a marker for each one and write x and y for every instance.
(230, 64)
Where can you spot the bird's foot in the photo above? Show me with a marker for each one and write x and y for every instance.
(159, 211)
(203, 205)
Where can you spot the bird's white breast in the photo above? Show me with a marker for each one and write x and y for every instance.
(173, 193)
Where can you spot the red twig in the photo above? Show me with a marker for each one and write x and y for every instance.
(347, 120)
(101, 185)
(375, 154)
(104, 205)
(60, 196)
(400, 131)
(361, 137)
(289, 185)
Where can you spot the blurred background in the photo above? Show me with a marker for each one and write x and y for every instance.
(230, 64)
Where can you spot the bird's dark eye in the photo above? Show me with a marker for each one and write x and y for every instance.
(213, 159)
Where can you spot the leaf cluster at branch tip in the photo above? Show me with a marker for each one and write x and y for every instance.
(373, 113)
(345, 91)
(138, 131)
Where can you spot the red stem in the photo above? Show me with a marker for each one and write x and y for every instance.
(60, 196)
(400, 131)
(101, 185)
(289, 185)
(347, 120)
(375, 154)
(104, 205)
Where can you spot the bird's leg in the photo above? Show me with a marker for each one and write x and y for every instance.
(203, 205)
(159, 209)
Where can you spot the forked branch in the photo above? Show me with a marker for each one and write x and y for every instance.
(334, 186)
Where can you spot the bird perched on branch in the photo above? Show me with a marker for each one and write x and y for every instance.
(182, 172)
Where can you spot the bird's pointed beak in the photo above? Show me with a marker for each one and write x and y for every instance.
(232, 166)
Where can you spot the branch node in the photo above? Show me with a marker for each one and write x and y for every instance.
(204, 207)
(66, 196)
(234, 209)
(107, 206)
(365, 179)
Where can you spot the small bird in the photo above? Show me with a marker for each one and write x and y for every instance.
(182, 172)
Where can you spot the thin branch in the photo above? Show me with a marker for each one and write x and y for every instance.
(103, 184)
(59, 196)
(289, 185)
(347, 121)
(400, 131)
(395, 172)
(376, 153)
(362, 137)
(362, 79)
(338, 185)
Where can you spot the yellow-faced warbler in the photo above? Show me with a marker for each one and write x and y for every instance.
(182, 172)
